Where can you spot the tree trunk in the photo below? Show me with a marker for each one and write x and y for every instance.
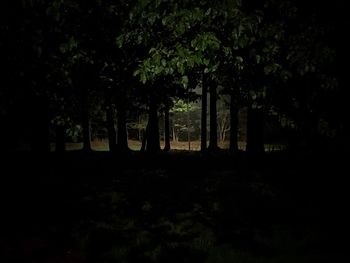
(153, 142)
(255, 144)
(188, 131)
(122, 130)
(139, 130)
(60, 138)
(85, 120)
(204, 115)
(223, 128)
(213, 139)
(223, 131)
(112, 135)
(166, 127)
(174, 135)
(233, 125)
(144, 139)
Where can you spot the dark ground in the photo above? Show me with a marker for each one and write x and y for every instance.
(176, 207)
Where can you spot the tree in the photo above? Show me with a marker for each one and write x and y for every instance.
(183, 121)
(204, 115)
(166, 126)
(213, 139)
(223, 118)
(268, 56)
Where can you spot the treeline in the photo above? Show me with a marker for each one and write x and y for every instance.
(71, 68)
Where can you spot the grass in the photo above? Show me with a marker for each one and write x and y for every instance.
(102, 145)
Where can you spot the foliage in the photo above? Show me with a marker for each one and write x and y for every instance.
(268, 55)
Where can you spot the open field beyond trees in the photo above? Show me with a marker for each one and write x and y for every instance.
(102, 145)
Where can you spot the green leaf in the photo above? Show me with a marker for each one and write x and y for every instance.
(227, 51)
(136, 72)
(207, 13)
(119, 41)
(164, 21)
(240, 59)
(258, 59)
(152, 50)
(181, 68)
(206, 62)
(143, 77)
(184, 81)
(163, 62)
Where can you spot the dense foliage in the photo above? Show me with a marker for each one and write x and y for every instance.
(79, 70)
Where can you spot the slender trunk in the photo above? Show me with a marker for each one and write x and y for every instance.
(188, 131)
(85, 76)
(153, 142)
(85, 120)
(223, 129)
(174, 135)
(144, 139)
(222, 132)
(204, 115)
(166, 127)
(213, 139)
(112, 135)
(60, 138)
(233, 125)
(255, 144)
(223, 136)
(139, 130)
(122, 130)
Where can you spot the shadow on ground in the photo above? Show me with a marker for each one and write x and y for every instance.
(175, 207)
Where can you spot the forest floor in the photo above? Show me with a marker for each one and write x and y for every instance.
(135, 145)
(174, 207)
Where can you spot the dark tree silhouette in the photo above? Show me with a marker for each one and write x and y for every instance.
(152, 131)
(213, 138)
(204, 114)
(166, 126)
(112, 135)
(255, 144)
(233, 124)
(122, 135)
